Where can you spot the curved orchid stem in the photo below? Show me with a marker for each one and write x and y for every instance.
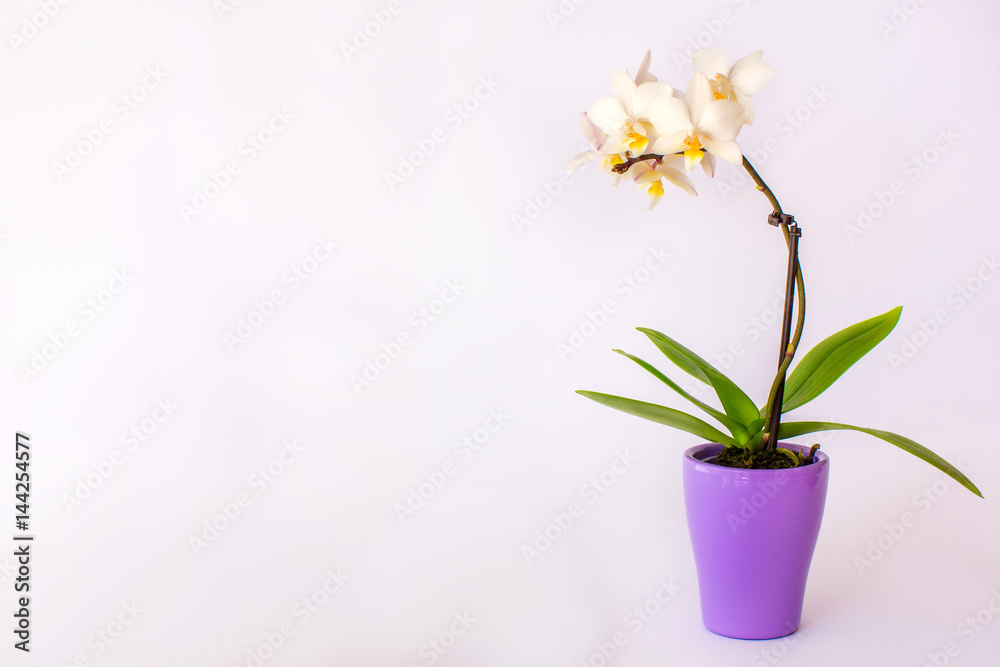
(788, 353)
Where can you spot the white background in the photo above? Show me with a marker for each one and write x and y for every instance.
(855, 98)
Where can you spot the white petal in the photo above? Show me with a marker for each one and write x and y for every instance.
(746, 102)
(722, 120)
(669, 143)
(710, 62)
(708, 164)
(624, 88)
(616, 145)
(580, 159)
(727, 150)
(672, 160)
(640, 76)
(750, 74)
(591, 132)
(678, 178)
(648, 92)
(669, 115)
(608, 114)
(697, 96)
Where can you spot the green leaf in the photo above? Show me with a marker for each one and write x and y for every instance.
(826, 362)
(661, 415)
(792, 429)
(738, 430)
(734, 401)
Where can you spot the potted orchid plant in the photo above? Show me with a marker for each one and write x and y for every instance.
(749, 494)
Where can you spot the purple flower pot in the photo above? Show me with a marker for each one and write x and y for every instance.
(753, 534)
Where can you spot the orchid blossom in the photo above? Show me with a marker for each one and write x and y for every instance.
(650, 132)
(696, 123)
(650, 174)
(737, 83)
(622, 117)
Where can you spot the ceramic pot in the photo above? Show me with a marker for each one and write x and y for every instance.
(753, 534)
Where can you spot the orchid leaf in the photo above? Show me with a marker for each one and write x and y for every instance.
(661, 415)
(826, 362)
(734, 401)
(792, 429)
(738, 430)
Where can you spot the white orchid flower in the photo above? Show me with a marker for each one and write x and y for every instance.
(737, 83)
(622, 117)
(597, 139)
(649, 174)
(695, 123)
(619, 117)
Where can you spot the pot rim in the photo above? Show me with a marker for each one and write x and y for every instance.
(709, 448)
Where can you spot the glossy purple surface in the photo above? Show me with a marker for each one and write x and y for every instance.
(753, 533)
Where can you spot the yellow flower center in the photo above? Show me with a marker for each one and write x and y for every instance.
(613, 160)
(721, 88)
(637, 141)
(692, 152)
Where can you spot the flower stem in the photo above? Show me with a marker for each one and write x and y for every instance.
(776, 395)
(622, 167)
(762, 186)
